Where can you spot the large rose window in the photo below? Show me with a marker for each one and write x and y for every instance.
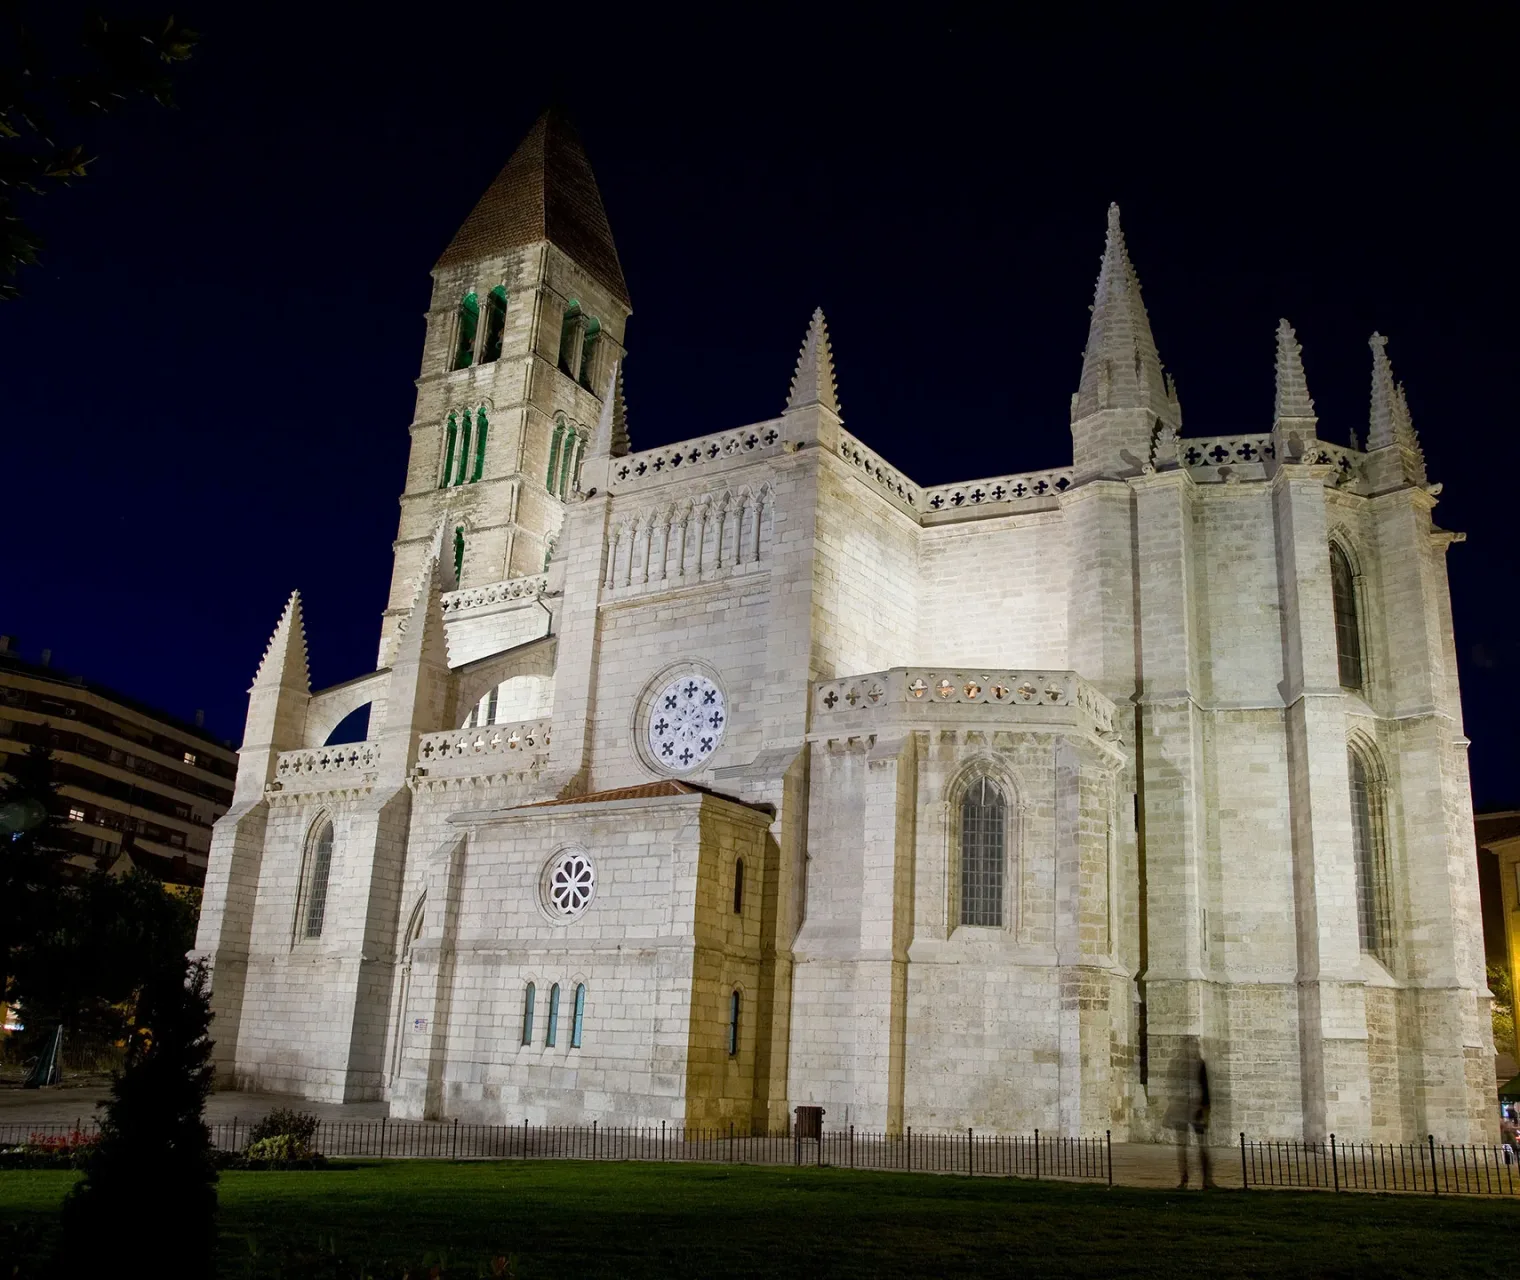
(686, 722)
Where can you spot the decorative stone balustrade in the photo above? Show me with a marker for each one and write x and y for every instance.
(917, 694)
(316, 768)
(490, 748)
(1214, 453)
(1013, 488)
(884, 477)
(655, 465)
(460, 602)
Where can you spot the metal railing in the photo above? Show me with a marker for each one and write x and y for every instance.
(1034, 1155)
(1425, 1167)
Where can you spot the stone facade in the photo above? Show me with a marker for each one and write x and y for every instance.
(1035, 780)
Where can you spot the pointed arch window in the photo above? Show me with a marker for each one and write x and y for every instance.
(463, 469)
(578, 1020)
(1369, 842)
(589, 346)
(555, 445)
(469, 323)
(313, 913)
(451, 440)
(496, 324)
(551, 1030)
(570, 462)
(572, 339)
(983, 828)
(527, 1027)
(1348, 632)
(482, 425)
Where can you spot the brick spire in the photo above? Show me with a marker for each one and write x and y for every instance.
(284, 663)
(1120, 367)
(1293, 400)
(813, 380)
(546, 192)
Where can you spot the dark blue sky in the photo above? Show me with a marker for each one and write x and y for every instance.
(204, 394)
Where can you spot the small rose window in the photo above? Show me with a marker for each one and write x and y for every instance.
(569, 885)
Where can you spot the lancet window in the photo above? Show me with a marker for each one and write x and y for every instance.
(983, 850)
(312, 912)
(567, 449)
(1348, 633)
(1369, 841)
(578, 1019)
(527, 1025)
(551, 1031)
(467, 327)
(464, 447)
(496, 324)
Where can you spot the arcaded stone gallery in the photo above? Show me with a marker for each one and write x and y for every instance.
(710, 780)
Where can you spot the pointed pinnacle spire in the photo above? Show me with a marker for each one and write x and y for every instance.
(1293, 400)
(416, 636)
(1120, 367)
(1380, 420)
(611, 438)
(813, 380)
(284, 662)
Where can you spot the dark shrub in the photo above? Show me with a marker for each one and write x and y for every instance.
(282, 1123)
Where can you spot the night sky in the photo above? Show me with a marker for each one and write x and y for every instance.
(204, 393)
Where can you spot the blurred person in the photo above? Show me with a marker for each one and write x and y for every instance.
(1189, 1110)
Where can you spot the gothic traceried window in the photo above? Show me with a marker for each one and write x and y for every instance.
(1369, 840)
(319, 869)
(496, 324)
(469, 322)
(983, 825)
(1348, 635)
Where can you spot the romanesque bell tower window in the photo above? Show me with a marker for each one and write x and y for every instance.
(1374, 912)
(588, 353)
(567, 448)
(984, 818)
(496, 324)
(469, 323)
(464, 447)
(1348, 635)
(572, 338)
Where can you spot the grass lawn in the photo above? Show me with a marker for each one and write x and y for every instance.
(564, 1218)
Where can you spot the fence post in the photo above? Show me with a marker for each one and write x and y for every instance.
(1036, 1153)
(662, 1139)
(1108, 1151)
(1245, 1182)
(730, 1142)
(383, 1119)
(1435, 1185)
(1335, 1169)
(593, 1139)
(852, 1146)
(456, 1138)
(970, 1161)
(910, 1148)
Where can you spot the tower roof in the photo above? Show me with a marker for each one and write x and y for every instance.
(546, 192)
(1121, 368)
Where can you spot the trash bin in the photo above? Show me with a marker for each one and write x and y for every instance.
(810, 1123)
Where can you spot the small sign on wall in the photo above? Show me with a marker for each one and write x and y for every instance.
(419, 1024)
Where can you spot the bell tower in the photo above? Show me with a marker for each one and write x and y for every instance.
(526, 325)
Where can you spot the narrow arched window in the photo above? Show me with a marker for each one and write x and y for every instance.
(733, 1025)
(568, 459)
(481, 426)
(528, 1014)
(984, 817)
(458, 554)
(570, 339)
(738, 886)
(555, 445)
(462, 471)
(496, 324)
(578, 1020)
(552, 1030)
(469, 322)
(1348, 634)
(588, 352)
(1374, 911)
(450, 440)
(320, 868)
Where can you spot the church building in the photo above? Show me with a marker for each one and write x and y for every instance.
(745, 773)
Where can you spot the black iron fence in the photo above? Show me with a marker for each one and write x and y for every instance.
(1034, 1155)
(1425, 1167)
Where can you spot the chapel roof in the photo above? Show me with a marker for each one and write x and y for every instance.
(546, 192)
(643, 791)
